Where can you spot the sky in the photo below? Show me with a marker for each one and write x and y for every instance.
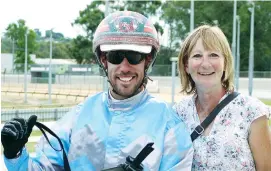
(43, 14)
(47, 14)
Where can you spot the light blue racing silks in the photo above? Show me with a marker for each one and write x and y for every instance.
(101, 132)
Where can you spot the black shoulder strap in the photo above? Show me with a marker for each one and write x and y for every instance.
(200, 128)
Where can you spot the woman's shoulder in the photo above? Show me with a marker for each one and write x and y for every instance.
(249, 102)
(251, 107)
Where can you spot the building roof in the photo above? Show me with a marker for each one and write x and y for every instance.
(54, 61)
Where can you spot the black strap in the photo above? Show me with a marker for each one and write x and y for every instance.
(200, 128)
(134, 164)
(143, 154)
(131, 164)
(65, 158)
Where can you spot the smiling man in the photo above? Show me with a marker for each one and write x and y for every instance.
(126, 73)
(110, 126)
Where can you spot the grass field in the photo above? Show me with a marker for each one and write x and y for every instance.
(30, 146)
(267, 102)
(36, 133)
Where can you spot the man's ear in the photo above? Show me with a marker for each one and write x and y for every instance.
(103, 61)
(148, 60)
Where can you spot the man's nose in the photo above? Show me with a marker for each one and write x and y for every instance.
(125, 65)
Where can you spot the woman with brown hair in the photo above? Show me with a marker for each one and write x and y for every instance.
(238, 138)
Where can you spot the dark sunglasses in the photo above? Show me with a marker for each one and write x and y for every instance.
(116, 57)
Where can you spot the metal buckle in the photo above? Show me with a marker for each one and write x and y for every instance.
(200, 131)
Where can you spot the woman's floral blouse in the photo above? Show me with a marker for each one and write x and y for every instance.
(226, 147)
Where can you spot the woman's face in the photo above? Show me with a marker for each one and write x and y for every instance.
(205, 67)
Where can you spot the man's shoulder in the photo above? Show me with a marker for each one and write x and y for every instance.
(158, 104)
(98, 97)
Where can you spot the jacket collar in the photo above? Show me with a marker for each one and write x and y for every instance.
(126, 104)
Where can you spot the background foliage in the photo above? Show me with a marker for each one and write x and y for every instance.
(172, 14)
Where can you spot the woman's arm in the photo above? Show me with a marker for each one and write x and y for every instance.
(260, 143)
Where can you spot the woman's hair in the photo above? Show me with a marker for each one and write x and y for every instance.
(213, 39)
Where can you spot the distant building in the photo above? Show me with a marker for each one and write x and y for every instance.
(45, 61)
(7, 61)
(40, 67)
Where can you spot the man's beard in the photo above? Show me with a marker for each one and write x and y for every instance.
(136, 89)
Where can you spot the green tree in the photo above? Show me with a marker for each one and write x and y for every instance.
(42, 49)
(176, 15)
(224, 17)
(81, 50)
(146, 8)
(6, 45)
(262, 34)
(81, 47)
(55, 36)
(164, 55)
(38, 34)
(17, 32)
(60, 50)
(89, 18)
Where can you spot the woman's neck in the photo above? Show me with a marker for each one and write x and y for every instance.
(207, 101)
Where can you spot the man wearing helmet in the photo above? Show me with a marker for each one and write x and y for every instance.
(110, 126)
(130, 39)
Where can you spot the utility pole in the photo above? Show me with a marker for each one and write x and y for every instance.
(251, 51)
(192, 15)
(25, 69)
(174, 61)
(238, 53)
(233, 45)
(50, 70)
(106, 8)
(13, 56)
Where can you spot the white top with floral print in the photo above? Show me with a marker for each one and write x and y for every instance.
(226, 147)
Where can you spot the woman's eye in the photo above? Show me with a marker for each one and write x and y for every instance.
(214, 55)
(196, 56)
